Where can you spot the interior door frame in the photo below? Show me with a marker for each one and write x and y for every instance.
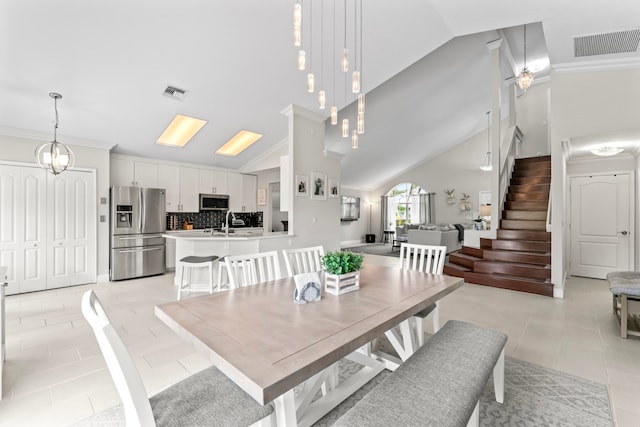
(632, 208)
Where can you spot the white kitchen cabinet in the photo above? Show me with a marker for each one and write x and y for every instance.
(189, 189)
(145, 174)
(212, 182)
(169, 179)
(122, 172)
(134, 173)
(242, 192)
(181, 186)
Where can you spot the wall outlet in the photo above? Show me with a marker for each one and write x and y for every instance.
(103, 200)
(103, 218)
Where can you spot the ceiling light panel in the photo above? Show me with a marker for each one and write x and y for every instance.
(180, 131)
(240, 142)
(606, 43)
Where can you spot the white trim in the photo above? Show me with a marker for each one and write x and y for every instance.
(69, 140)
(303, 112)
(558, 292)
(586, 66)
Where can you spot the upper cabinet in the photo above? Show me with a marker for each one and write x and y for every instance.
(242, 192)
(183, 184)
(180, 184)
(212, 182)
(134, 173)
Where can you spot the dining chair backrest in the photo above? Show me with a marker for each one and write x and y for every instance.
(424, 258)
(303, 260)
(247, 270)
(129, 385)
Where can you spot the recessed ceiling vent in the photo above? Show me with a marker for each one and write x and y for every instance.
(175, 93)
(606, 43)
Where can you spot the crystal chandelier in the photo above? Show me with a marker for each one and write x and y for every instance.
(525, 78)
(54, 156)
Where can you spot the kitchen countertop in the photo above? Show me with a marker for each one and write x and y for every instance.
(219, 235)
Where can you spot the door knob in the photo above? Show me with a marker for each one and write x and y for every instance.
(624, 233)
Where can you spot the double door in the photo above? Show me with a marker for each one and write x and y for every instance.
(47, 228)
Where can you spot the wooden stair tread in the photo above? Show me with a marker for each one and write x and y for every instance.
(517, 264)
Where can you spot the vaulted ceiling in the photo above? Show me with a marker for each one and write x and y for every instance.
(425, 71)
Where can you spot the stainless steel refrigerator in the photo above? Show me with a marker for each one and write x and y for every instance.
(137, 221)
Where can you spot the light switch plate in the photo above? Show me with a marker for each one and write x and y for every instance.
(103, 200)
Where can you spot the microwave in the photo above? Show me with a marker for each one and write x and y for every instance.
(214, 202)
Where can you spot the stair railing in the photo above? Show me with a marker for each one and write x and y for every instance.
(549, 208)
(508, 153)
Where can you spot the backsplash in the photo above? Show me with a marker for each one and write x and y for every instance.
(213, 219)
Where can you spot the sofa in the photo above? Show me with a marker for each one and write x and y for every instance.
(433, 235)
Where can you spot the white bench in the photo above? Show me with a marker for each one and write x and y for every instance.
(440, 384)
(625, 286)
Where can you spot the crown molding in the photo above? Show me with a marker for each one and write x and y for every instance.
(586, 66)
(41, 136)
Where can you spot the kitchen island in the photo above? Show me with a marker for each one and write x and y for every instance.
(204, 243)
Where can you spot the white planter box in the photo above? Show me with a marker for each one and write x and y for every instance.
(338, 284)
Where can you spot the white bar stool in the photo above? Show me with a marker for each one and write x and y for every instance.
(222, 269)
(193, 261)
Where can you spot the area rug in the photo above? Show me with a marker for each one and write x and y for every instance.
(375, 249)
(534, 396)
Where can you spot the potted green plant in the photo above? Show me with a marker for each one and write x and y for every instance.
(342, 271)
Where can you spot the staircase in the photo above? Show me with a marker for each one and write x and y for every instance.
(520, 256)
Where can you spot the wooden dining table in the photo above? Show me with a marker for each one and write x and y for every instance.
(270, 346)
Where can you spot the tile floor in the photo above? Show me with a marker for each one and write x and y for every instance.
(55, 374)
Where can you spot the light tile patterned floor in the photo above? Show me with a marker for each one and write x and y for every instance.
(55, 374)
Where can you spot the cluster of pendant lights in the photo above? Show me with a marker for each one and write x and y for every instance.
(305, 56)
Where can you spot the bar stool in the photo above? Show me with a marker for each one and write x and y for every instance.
(193, 261)
(222, 269)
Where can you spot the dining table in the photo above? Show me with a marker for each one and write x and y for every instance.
(286, 353)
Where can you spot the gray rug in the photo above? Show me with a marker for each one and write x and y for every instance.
(534, 396)
(375, 249)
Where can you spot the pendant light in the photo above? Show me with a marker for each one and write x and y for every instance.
(526, 77)
(487, 165)
(54, 156)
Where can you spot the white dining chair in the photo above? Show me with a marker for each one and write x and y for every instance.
(207, 397)
(427, 259)
(248, 270)
(303, 260)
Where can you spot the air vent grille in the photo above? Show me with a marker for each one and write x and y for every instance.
(175, 93)
(607, 43)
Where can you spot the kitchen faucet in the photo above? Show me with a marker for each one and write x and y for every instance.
(226, 221)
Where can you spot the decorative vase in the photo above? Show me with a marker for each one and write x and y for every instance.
(338, 284)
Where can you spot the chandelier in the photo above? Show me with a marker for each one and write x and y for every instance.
(54, 156)
(349, 62)
(487, 165)
(525, 78)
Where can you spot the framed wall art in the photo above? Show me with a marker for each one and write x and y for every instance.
(334, 188)
(318, 186)
(302, 185)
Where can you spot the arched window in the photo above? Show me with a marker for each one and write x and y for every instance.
(404, 204)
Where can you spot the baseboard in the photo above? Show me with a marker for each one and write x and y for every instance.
(102, 278)
(348, 243)
(558, 292)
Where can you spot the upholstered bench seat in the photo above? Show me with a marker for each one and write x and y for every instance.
(625, 286)
(439, 385)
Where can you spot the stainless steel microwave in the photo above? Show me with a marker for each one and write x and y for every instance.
(214, 202)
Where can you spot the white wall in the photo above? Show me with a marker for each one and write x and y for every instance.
(265, 178)
(314, 222)
(353, 232)
(586, 103)
(532, 112)
(19, 149)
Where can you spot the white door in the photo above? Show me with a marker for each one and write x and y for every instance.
(601, 225)
(22, 227)
(71, 229)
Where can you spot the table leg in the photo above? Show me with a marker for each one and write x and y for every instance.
(286, 409)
